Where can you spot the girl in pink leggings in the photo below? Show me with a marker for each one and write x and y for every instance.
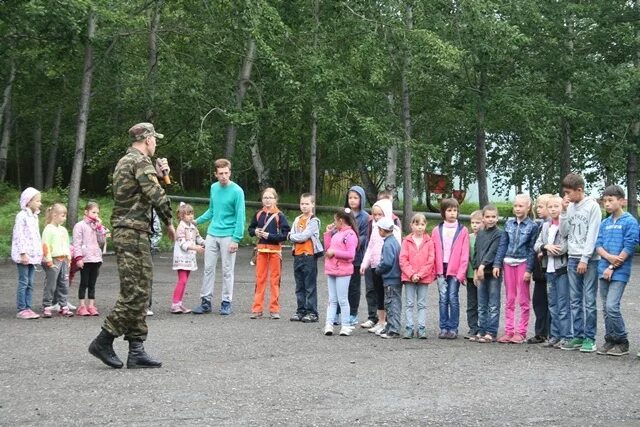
(515, 255)
(188, 244)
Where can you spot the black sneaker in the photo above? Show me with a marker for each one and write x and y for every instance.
(604, 350)
(296, 317)
(309, 318)
(620, 349)
(538, 339)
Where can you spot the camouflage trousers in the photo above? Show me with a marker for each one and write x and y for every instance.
(135, 268)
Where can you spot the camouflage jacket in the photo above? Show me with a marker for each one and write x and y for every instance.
(135, 191)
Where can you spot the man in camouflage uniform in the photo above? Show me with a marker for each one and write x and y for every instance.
(136, 191)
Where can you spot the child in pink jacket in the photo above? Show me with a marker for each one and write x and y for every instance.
(417, 264)
(451, 242)
(88, 238)
(340, 242)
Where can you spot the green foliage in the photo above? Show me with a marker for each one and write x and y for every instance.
(340, 63)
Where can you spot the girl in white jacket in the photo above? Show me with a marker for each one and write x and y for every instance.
(188, 243)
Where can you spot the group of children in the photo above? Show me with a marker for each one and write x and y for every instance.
(59, 257)
(576, 252)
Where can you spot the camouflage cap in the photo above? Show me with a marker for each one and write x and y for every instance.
(140, 131)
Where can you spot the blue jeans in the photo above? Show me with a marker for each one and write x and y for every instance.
(559, 307)
(583, 291)
(26, 274)
(393, 306)
(305, 272)
(489, 305)
(611, 294)
(449, 304)
(415, 293)
(338, 294)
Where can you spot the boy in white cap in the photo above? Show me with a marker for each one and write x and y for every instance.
(389, 269)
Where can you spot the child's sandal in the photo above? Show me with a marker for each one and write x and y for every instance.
(475, 338)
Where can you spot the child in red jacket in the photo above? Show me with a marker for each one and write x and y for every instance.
(417, 264)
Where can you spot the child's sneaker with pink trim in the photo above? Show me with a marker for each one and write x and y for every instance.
(64, 311)
(93, 310)
(27, 314)
(505, 339)
(518, 339)
(178, 308)
(34, 315)
(46, 313)
(83, 311)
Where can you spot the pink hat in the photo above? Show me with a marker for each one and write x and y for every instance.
(26, 196)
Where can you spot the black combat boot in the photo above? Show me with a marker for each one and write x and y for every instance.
(138, 358)
(102, 348)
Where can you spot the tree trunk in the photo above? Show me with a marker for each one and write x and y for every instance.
(258, 165)
(314, 154)
(6, 98)
(151, 114)
(407, 185)
(392, 155)
(37, 156)
(370, 188)
(53, 150)
(6, 138)
(632, 160)
(565, 142)
(243, 81)
(83, 117)
(632, 173)
(313, 158)
(481, 148)
(565, 124)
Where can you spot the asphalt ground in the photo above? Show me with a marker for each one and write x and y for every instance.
(236, 371)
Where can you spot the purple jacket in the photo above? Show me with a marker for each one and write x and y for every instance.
(344, 243)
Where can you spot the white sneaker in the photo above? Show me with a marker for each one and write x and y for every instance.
(368, 324)
(149, 312)
(376, 328)
(56, 308)
(71, 306)
(345, 331)
(328, 330)
(382, 330)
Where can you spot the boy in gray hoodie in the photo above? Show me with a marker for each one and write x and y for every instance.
(580, 222)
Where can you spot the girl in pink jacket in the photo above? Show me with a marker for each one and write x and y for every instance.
(451, 242)
(340, 242)
(89, 235)
(417, 265)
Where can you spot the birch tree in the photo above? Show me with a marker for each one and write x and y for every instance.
(83, 118)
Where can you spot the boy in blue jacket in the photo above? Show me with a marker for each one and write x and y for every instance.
(616, 244)
(389, 269)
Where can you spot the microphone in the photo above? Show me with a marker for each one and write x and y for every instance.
(165, 178)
